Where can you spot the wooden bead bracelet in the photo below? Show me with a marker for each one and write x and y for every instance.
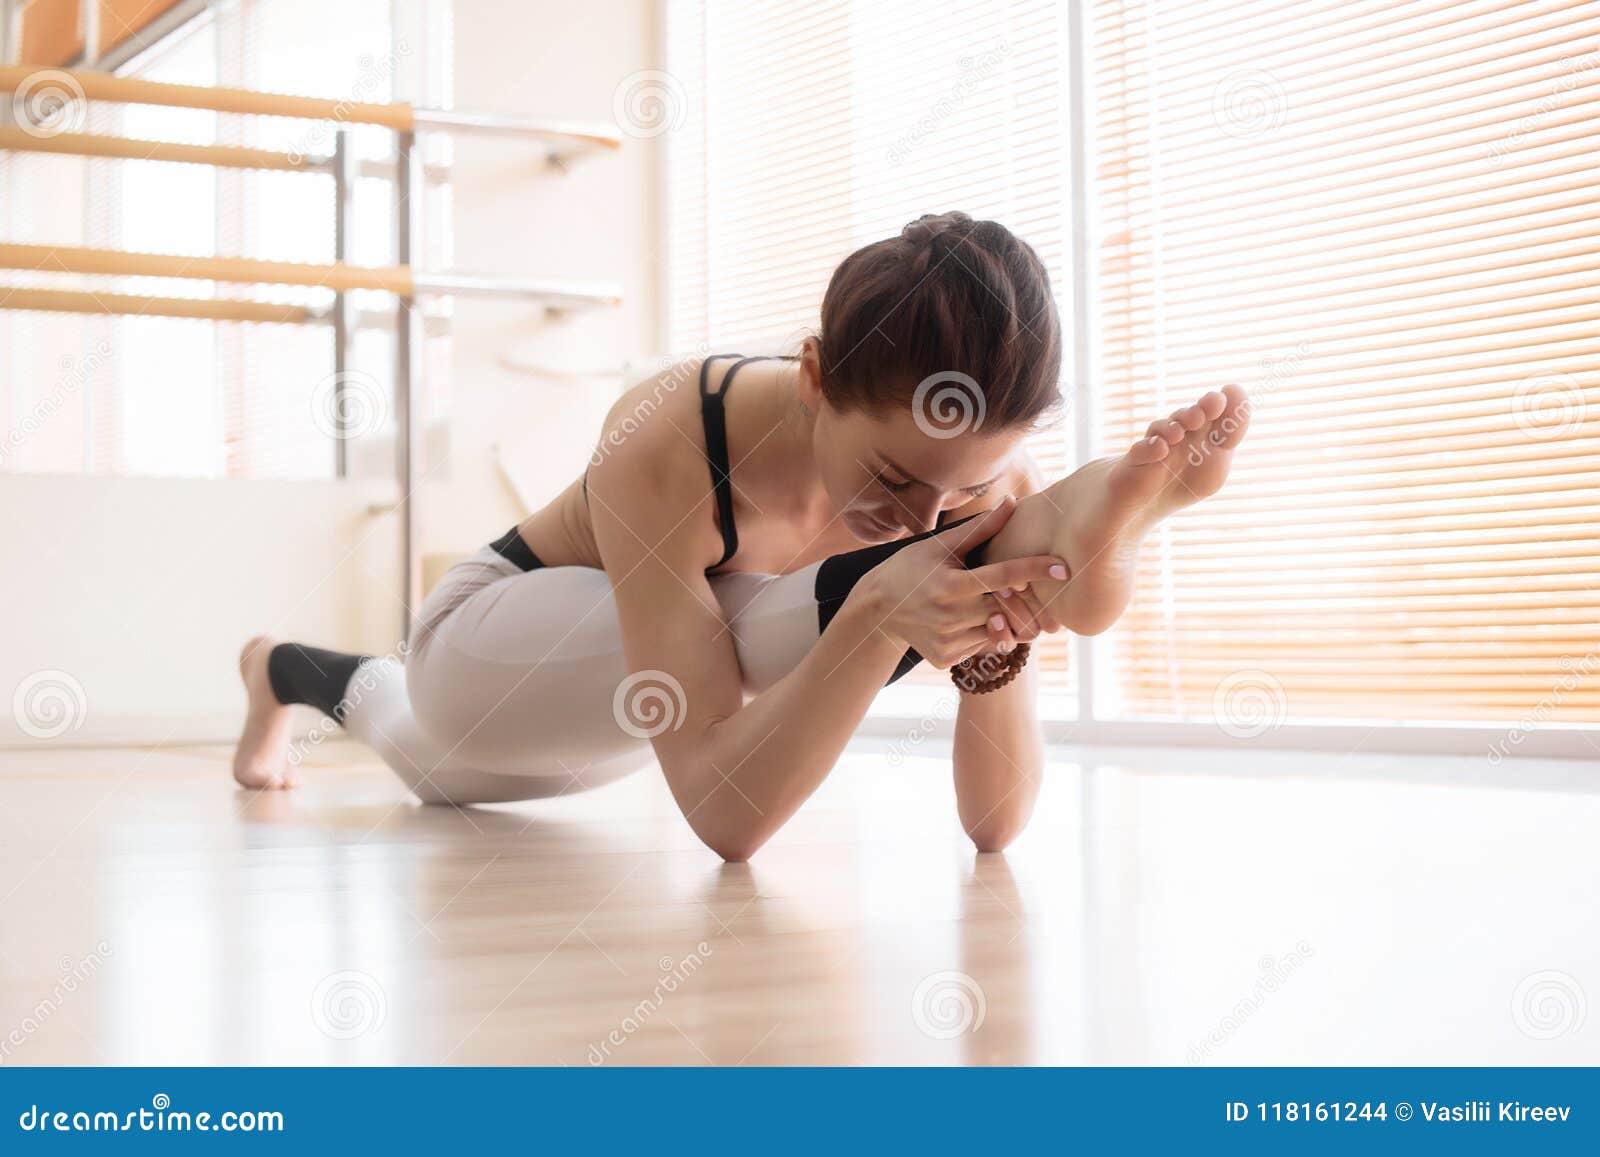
(989, 671)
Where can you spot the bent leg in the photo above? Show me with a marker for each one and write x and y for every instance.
(376, 710)
(516, 685)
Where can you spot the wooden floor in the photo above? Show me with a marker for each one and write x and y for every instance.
(1160, 910)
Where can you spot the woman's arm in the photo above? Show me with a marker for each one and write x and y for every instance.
(998, 751)
(740, 770)
(998, 757)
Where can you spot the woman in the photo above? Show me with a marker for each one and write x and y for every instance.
(628, 620)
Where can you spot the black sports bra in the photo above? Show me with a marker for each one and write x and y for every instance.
(714, 417)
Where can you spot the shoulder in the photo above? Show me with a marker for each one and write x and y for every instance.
(649, 471)
(672, 394)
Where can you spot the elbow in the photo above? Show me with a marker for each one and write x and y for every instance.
(720, 815)
(733, 849)
(996, 833)
(734, 844)
(993, 840)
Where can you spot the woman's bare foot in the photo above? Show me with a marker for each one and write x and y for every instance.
(261, 761)
(1095, 517)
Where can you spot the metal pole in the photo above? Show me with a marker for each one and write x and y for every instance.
(10, 13)
(343, 184)
(1082, 252)
(409, 192)
(89, 23)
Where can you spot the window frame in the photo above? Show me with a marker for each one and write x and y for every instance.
(1493, 741)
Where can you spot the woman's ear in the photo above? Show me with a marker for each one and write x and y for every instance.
(809, 386)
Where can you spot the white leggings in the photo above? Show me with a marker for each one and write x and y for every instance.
(515, 687)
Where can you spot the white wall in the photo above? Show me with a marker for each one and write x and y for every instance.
(142, 590)
(514, 215)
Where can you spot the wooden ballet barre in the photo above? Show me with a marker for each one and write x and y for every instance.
(222, 156)
(396, 279)
(338, 276)
(400, 117)
(26, 299)
(131, 90)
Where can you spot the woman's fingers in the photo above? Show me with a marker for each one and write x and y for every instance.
(965, 646)
(1024, 623)
(1026, 607)
(1018, 572)
(1000, 632)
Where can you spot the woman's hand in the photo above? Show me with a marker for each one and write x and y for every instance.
(1026, 613)
(925, 598)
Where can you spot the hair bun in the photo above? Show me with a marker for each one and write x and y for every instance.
(931, 226)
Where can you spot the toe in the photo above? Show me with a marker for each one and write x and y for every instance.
(1235, 420)
(1148, 450)
(1213, 404)
(1167, 430)
(1190, 417)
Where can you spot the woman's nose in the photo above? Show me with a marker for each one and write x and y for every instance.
(924, 515)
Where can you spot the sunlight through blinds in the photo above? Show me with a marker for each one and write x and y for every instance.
(1382, 219)
(781, 163)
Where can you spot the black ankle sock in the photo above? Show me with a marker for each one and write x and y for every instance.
(837, 576)
(312, 676)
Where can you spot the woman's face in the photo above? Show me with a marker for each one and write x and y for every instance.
(892, 474)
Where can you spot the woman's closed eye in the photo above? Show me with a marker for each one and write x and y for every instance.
(895, 486)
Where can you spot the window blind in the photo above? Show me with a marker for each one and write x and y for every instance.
(1380, 218)
(798, 133)
(133, 395)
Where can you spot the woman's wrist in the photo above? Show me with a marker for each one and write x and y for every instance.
(868, 608)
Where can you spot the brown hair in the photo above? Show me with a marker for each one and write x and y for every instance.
(949, 296)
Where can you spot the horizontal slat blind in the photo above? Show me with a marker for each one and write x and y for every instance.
(1382, 219)
(798, 133)
(132, 395)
